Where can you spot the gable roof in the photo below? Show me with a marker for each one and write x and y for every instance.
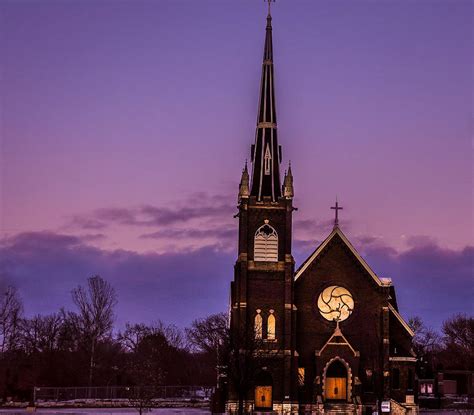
(382, 282)
(320, 248)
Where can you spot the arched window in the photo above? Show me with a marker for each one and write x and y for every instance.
(258, 326)
(266, 244)
(271, 326)
(268, 161)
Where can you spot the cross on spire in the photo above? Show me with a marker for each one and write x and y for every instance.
(337, 208)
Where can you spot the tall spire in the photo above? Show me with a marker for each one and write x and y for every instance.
(266, 153)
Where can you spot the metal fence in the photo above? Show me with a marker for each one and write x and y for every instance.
(176, 393)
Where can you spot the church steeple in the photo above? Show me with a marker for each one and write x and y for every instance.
(266, 153)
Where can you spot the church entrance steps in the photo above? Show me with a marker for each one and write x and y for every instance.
(339, 408)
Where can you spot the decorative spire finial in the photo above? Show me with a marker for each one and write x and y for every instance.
(337, 208)
(288, 190)
(244, 190)
(269, 4)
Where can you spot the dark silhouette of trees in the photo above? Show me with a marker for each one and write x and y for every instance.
(78, 348)
(209, 339)
(452, 349)
(458, 338)
(95, 318)
(208, 334)
(11, 309)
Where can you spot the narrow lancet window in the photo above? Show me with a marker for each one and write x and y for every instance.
(271, 329)
(258, 325)
(268, 161)
(266, 244)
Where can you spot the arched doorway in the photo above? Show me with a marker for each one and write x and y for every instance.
(264, 391)
(336, 381)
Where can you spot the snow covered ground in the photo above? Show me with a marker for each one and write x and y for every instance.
(118, 411)
(163, 411)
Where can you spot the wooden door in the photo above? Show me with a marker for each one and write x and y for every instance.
(336, 388)
(263, 397)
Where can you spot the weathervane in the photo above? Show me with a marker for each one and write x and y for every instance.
(336, 208)
(269, 3)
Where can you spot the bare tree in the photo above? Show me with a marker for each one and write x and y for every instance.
(133, 335)
(240, 357)
(459, 330)
(40, 334)
(142, 398)
(10, 314)
(146, 364)
(426, 341)
(208, 334)
(458, 339)
(96, 316)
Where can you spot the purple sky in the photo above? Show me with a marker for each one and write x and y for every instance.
(125, 126)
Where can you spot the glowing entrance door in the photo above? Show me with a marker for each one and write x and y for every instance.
(336, 388)
(263, 397)
(336, 381)
(263, 391)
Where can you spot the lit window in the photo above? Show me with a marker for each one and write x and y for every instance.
(271, 331)
(301, 376)
(258, 325)
(266, 244)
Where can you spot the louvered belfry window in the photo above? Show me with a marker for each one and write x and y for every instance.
(266, 244)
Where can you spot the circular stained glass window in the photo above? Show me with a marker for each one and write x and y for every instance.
(335, 303)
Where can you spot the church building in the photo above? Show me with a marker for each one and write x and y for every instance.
(326, 337)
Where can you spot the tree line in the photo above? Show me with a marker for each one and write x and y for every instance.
(452, 348)
(80, 348)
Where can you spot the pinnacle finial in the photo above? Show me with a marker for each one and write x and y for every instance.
(244, 190)
(288, 190)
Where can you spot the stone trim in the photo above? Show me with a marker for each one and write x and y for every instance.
(265, 124)
(402, 359)
(262, 206)
(286, 407)
(401, 320)
(337, 333)
(266, 266)
(349, 376)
